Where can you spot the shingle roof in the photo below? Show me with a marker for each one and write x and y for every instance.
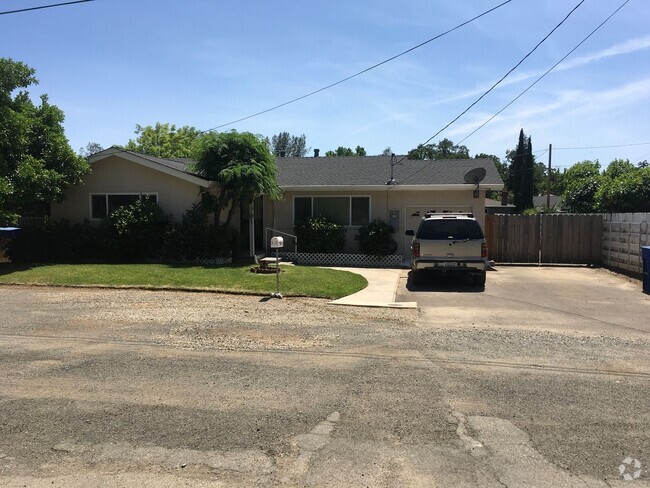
(358, 170)
(180, 164)
(376, 170)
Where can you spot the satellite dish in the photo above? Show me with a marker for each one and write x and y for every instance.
(475, 176)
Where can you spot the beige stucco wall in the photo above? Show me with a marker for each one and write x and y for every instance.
(117, 175)
(280, 214)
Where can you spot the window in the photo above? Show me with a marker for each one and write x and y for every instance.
(102, 205)
(348, 211)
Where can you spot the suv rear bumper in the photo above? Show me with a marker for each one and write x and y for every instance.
(449, 265)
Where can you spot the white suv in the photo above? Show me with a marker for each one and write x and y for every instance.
(449, 243)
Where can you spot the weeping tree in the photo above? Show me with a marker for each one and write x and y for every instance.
(241, 164)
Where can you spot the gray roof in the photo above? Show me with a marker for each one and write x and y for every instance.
(346, 171)
(180, 164)
(376, 170)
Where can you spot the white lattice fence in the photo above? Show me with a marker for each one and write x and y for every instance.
(623, 236)
(353, 260)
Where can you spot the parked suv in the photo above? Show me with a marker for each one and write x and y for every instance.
(449, 243)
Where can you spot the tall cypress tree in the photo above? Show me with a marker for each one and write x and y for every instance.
(517, 171)
(527, 183)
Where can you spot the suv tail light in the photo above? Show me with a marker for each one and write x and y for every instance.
(416, 249)
(484, 250)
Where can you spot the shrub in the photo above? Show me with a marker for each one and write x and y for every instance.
(137, 230)
(375, 239)
(319, 234)
(47, 241)
(195, 239)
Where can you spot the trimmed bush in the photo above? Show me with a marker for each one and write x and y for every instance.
(376, 239)
(319, 234)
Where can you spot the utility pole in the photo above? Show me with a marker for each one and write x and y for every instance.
(548, 179)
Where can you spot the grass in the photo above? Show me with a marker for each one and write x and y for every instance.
(294, 280)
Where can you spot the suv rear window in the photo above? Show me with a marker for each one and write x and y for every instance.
(449, 229)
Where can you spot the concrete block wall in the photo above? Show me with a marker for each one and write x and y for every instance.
(623, 236)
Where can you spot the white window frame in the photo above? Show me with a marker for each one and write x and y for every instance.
(107, 194)
(350, 197)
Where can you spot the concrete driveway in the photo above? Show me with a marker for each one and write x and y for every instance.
(541, 380)
(569, 299)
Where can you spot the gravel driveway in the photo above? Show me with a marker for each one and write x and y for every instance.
(542, 379)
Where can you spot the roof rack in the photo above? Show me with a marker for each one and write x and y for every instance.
(454, 214)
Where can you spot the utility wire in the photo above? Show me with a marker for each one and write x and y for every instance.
(494, 85)
(331, 85)
(43, 7)
(545, 73)
(507, 74)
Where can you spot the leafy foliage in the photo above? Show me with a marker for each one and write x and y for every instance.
(346, 151)
(376, 239)
(582, 182)
(137, 230)
(195, 239)
(243, 165)
(444, 149)
(90, 149)
(37, 164)
(164, 140)
(292, 146)
(319, 234)
(627, 191)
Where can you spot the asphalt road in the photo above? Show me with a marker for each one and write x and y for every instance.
(539, 380)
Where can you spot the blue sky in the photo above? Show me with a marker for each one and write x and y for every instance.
(112, 64)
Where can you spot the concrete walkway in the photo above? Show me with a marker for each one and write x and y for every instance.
(380, 292)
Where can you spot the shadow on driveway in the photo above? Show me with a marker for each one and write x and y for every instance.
(428, 282)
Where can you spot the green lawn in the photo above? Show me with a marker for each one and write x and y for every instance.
(294, 280)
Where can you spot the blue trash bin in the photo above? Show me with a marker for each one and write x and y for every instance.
(645, 256)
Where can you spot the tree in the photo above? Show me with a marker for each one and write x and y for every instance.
(582, 182)
(525, 177)
(624, 188)
(37, 163)
(164, 140)
(242, 164)
(445, 149)
(292, 146)
(387, 152)
(90, 149)
(346, 151)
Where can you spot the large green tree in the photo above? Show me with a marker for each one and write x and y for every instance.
(37, 163)
(242, 164)
(346, 151)
(444, 149)
(582, 182)
(292, 146)
(624, 188)
(164, 140)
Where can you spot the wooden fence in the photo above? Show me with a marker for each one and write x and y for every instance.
(544, 239)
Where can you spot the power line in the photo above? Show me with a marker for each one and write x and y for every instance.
(602, 147)
(43, 7)
(331, 85)
(508, 73)
(495, 84)
(545, 73)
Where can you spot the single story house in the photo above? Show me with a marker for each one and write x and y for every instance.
(351, 190)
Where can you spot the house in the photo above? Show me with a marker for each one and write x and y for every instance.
(350, 190)
(539, 202)
(496, 207)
